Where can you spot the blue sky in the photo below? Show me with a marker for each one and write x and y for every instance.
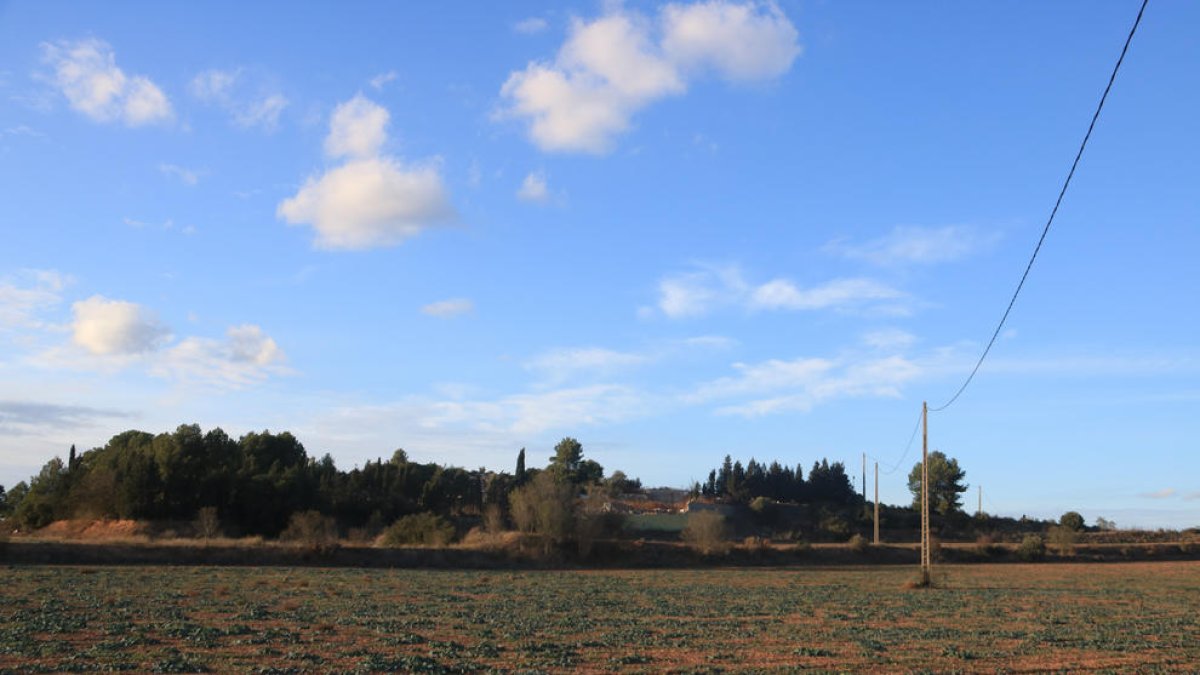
(673, 231)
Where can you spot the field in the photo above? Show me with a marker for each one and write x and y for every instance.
(989, 618)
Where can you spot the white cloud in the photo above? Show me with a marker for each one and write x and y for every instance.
(214, 85)
(889, 339)
(377, 83)
(248, 100)
(531, 25)
(106, 327)
(741, 41)
(446, 309)
(783, 294)
(697, 293)
(611, 67)
(561, 364)
(1165, 493)
(185, 175)
(86, 73)
(367, 203)
(535, 413)
(776, 386)
(917, 245)
(358, 129)
(247, 355)
(700, 292)
(371, 200)
(534, 189)
(27, 295)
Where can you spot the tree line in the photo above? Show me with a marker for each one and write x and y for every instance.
(258, 483)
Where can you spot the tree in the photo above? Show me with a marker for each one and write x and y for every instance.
(208, 525)
(1072, 521)
(945, 484)
(567, 455)
(520, 475)
(545, 506)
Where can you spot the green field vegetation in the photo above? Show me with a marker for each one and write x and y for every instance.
(981, 618)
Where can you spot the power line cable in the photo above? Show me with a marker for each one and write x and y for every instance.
(907, 448)
(1046, 229)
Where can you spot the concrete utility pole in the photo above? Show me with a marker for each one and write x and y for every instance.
(876, 503)
(864, 483)
(926, 557)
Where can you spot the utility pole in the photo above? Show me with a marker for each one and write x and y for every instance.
(926, 558)
(864, 483)
(979, 511)
(876, 503)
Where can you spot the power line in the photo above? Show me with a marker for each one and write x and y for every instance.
(907, 448)
(1053, 212)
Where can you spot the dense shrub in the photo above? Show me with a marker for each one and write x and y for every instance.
(859, 544)
(1032, 548)
(427, 529)
(706, 532)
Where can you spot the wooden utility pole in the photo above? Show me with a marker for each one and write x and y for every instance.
(876, 503)
(926, 557)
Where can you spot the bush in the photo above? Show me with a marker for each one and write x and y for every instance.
(418, 529)
(493, 519)
(1062, 539)
(859, 544)
(312, 529)
(1032, 548)
(207, 524)
(986, 546)
(706, 532)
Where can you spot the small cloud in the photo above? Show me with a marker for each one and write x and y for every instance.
(86, 72)
(377, 83)
(28, 294)
(917, 245)
(531, 25)
(560, 364)
(889, 339)
(445, 309)
(22, 130)
(1165, 493)
(358, 129)
(697, 293)
(185, 176)
(534, 189)
(371, 200)
(247, 355)
(106, 327)
(612, 67)
(783, 294)
(248, 100)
